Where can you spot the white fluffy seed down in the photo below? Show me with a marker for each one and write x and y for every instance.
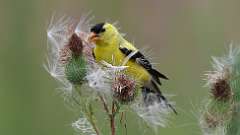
(154, 115)
(83, 126)
(59, 31)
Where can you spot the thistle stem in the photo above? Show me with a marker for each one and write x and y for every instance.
(87, 110)
(110, 115)
(104, 104)
(91, 120)
(112, 119)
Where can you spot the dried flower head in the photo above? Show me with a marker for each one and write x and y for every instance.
(75, 44)
(212, 120)
(221, 90)
(124, 88)
(213, 123)
(219, 78)
(101, 76)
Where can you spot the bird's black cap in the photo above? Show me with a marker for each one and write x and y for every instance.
(98, 28)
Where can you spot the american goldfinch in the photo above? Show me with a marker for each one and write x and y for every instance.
(114, 49)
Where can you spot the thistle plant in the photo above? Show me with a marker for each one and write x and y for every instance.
(221, 114)
(89, 87)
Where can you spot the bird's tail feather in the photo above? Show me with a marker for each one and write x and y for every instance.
(157, 93)
(156, 73)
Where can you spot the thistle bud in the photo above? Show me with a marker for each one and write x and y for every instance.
(75, 69)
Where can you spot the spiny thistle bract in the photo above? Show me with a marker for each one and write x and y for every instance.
(71, 62)
(75, 70)
(220, 115)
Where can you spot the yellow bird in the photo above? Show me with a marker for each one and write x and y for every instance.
(113, 48)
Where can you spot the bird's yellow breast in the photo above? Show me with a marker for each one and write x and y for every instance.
(115, 57)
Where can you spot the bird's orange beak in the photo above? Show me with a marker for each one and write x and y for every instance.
(93, 37)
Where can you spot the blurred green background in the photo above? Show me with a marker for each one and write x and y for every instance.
(181, 35)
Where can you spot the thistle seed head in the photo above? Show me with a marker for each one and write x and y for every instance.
(124, 88)
(75, 45)
(221, 90)
(211, 121)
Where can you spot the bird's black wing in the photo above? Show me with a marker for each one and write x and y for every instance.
(139, 58)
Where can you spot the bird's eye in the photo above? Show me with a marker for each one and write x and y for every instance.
(103, 30)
